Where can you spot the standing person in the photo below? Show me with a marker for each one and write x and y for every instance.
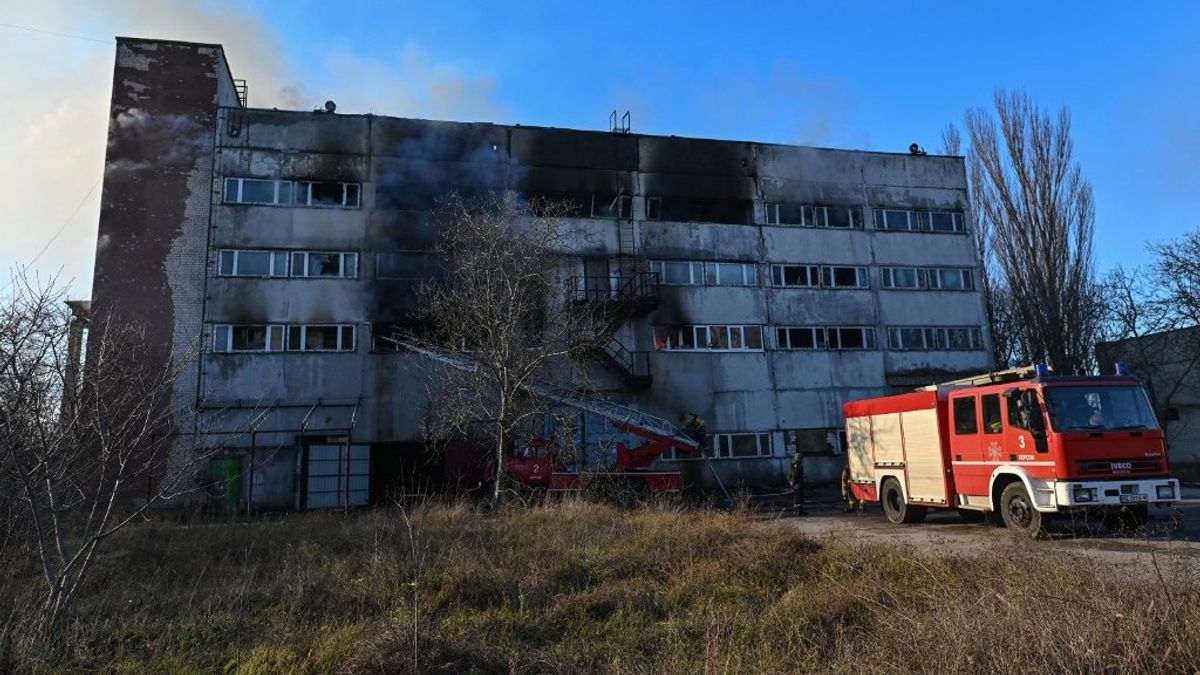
(848, 492)
(796, 481)
(695, 428)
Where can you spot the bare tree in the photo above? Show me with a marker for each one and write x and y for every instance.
(1036, 217)
(83, 450)
(502, 298)
(1152, 322)
(1004, 331)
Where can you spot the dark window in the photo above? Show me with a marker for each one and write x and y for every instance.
(324, 265)
(258, 191)
(991, 414)
(653, 208)
(320, 338)
(249, 338)
(964, 416)
(326, 194)
(943, 221)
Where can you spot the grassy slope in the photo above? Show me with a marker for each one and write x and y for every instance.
(585, 588)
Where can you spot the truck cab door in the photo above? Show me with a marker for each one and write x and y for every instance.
(1025, 431)
(966, 456)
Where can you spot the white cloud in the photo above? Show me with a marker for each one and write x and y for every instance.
(56, 114)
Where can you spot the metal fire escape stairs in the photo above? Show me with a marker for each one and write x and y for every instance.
(629, 291)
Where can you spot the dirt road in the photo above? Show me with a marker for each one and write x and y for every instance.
(1169, 544)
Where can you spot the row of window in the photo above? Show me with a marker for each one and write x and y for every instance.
(331, 194)
(402, 265)
(687, 273)
(335, 264)
(818, 338)
(341, 338)
(919, 221)
(338, 194)
(284, 338)
(746, 445)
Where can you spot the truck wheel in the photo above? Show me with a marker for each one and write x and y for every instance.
(1016, 507)
(1126, 518)
(894, 506)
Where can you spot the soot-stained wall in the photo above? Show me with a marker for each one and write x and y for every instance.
(641, 197)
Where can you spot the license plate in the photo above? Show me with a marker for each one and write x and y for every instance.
(1125, 499)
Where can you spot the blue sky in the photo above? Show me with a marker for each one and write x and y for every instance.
(869, 75)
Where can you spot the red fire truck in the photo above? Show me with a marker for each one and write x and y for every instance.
(1018, 446)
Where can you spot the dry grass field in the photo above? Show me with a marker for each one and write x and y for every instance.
(578, 587)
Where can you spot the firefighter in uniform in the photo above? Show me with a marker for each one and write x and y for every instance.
(848, 494)
(796, 481)
(694, 427)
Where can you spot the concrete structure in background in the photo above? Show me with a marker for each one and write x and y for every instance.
(776, 281)
(1169, 364)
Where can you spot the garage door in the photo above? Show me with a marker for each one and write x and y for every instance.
(337, 475)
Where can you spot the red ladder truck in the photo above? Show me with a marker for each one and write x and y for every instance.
(1020, 446)
(540, 463)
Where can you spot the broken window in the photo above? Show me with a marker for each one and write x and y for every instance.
(852, 338)
(328, 194)
(653, 208)
(740, 445)
(320, 338)
(795, 275)
(787, 338)
(324, 264)
(252, 338)
(844, 277)
(814, 442)
(708, 338)
(408, 265)
(608, 205)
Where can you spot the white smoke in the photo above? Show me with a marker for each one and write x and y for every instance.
(52, 142)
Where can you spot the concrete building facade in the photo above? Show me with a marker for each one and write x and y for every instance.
(279, 244)
(1169, 364)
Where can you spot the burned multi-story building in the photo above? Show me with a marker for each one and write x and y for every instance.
(278, 244)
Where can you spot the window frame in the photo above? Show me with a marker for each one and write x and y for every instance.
(919, 220)
(293, 188)
(934, 339)
(278, 338)
(226, 331)
(720, 446)
(343, 256)
(706, 273)
(235, 255)
(954, 407)
(709, 334)
(824, 276)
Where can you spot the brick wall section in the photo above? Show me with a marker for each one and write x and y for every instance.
(151, 253)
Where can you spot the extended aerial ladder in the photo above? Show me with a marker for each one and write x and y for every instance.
(538, 465)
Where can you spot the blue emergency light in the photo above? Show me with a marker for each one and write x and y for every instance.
(1122, 368)
(1041, 369)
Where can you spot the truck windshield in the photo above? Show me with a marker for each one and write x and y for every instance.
(1099, 408)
